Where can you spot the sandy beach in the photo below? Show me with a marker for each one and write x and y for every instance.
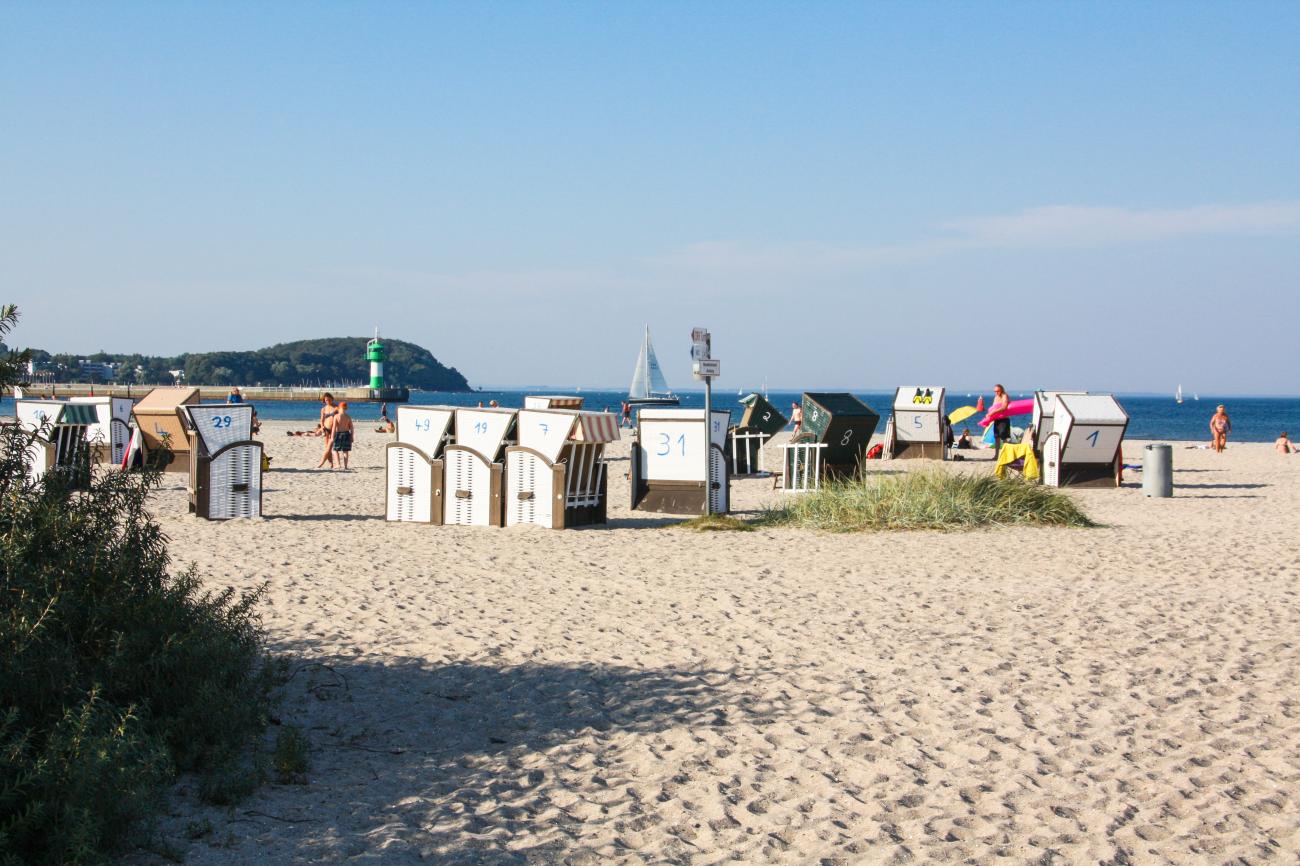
(642, 694)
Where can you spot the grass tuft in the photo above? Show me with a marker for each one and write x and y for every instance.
(927, 499)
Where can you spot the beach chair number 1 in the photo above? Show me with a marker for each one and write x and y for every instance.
(665, 444)
(1093, 436)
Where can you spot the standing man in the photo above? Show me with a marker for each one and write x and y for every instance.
(796, 417)
(234, 396)
(1002, 426)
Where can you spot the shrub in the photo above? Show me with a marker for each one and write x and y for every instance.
(927, 499)
(715, 523)
(114, 673)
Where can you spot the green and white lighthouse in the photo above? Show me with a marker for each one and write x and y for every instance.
(375, 355)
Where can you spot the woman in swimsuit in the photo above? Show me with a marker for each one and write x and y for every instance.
(1220, 427)
(326, 428)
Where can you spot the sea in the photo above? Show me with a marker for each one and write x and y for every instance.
(1159, 417)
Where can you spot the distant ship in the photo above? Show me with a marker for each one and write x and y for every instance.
(649, 388)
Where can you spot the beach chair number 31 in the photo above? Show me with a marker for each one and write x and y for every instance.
(665, 444)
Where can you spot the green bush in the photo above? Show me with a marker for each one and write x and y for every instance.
(927, 499)
(114, 673)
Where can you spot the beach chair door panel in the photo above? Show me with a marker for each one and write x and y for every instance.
(410, 486)
(718, 498)
(235, 483)
(530, 493)
(468, 500)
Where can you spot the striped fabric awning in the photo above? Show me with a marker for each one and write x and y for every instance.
(596, 427)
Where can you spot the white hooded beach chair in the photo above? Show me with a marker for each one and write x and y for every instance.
(472, 467)
(225, 479)
(918, 425)
(1044, 418)
(1085, 447)
(556, 475)
(414, 464)
(668, 469)
(111, 432)
(59, 440)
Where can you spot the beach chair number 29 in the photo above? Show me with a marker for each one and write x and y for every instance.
(665, 444)
(1093, 436)
(220, 421)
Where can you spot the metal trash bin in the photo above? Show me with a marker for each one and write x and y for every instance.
(1158, 470)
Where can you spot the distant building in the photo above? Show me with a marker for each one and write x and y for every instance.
(96, 370)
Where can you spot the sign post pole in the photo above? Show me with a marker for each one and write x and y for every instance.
(705, 368)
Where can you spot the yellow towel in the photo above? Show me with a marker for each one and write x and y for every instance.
(1010, 453)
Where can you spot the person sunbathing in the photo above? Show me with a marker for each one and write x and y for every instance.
(1284, 445)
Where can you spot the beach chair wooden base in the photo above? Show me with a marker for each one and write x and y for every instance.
(919, 451)
(681, 497)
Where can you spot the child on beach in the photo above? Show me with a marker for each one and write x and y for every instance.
(1284, 445)
(343, 434)
(1220, 427)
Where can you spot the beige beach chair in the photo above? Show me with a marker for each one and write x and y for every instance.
(163, 426)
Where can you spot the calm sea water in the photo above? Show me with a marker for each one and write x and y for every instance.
(1254, 419)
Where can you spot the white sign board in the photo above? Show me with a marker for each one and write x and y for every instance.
(423, 427)
(708, 368)
(483, 429)
(701, 344)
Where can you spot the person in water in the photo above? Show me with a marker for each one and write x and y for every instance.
(343, 429)
(1002, 426)
(1284, 445)
(1220, 427)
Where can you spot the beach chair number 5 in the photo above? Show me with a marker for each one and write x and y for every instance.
(665, 444)
(916, 421)
(848, 434)
(1093, 436)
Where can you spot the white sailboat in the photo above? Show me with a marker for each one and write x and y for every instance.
(1178, 395)
(649, 388)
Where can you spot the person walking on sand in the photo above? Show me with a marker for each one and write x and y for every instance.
(1220, 427)
(343, 428)
(625, 414)
(1002, 426)
(1284, 445)
(326, 428)
(796, 417)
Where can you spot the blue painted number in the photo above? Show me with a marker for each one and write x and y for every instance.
(1093, 436)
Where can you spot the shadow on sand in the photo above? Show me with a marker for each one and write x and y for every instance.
(476, 763)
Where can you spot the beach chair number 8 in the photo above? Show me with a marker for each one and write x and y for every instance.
(1093, 436)
(848, 434)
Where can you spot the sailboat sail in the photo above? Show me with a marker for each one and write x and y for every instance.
(648, 379)
(1178, 395)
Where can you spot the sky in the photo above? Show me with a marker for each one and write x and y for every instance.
(858, 195)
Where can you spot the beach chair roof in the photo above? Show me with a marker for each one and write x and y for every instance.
(219, 424)
(167, 399)
(552, 401)
(484, 429)
(1092, 408)
(919, 398)
(36, 414)
(546, 431)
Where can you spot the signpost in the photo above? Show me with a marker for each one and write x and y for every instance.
(706, 368)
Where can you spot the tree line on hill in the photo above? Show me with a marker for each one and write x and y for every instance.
(304, 362)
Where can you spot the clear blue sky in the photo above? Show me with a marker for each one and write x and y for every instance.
(1054, 195)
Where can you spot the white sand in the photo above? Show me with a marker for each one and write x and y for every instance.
(641, 694)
